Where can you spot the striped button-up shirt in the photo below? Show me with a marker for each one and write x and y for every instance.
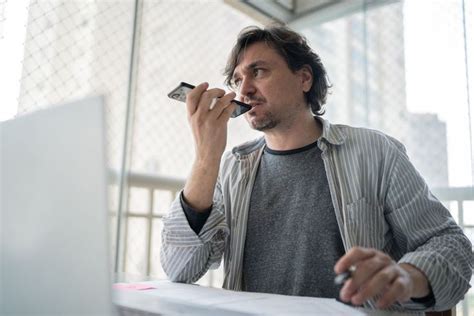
(380, 201)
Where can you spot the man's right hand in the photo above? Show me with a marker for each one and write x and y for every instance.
(209, 128)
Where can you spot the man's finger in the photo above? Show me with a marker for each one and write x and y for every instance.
(207, 98)
(213, 104)
(365, 271)
(396, 291)
(222, 103)
(352, 257)
(368, 268)
(227, 111)
(346, 292)
(375, 285)
(193, 97)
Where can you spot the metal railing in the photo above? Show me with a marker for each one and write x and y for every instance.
(151, 183)
(458, 195)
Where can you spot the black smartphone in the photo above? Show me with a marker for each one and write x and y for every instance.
(179, 93)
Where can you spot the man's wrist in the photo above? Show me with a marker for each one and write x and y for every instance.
(195, 218)
(207, 160)
(421, 287)
(196, 204)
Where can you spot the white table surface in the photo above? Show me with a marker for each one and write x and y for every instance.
(169, 298)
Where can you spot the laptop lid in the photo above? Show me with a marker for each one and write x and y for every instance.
(54, 247)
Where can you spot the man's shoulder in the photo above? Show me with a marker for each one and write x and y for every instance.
(350, 130)
(361, 135)
(248, 147)
(248, 152)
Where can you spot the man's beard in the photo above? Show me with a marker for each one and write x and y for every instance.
(265, 123)
(268, 121)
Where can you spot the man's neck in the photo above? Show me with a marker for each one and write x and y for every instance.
(302, 131)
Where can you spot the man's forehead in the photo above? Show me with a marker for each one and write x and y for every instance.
(255, 55)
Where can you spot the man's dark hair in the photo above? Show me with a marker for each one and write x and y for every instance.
(294, 49)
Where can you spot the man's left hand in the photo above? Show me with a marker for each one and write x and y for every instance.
(377, 274)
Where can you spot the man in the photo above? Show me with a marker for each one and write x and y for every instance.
(309, 199)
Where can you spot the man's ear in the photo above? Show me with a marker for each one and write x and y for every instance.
(306, 75)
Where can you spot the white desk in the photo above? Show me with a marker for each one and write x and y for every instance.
(183, 299)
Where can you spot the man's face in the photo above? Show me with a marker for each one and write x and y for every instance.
(275, 93)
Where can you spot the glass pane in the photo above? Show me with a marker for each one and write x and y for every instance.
(162, 201)
(73, 49)
(138, 201)
(453, 209)
(136, 259)
(180, 41)
(392, 78)
(156, 269)
(468, 208)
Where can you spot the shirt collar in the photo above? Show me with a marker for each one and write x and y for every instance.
(332, 134)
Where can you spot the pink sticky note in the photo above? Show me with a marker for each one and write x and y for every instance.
(132, 286)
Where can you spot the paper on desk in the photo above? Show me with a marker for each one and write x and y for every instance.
(293, 305)
(247, 302)
(199, 294)
(132, 286)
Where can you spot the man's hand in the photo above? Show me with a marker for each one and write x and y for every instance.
(208, 114)
(377, 274)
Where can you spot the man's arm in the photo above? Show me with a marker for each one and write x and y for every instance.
(186, 255)
(209, 128)
(433, 243)
(435, 250)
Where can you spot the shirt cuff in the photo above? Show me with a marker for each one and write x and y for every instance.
(427, 301)
(195, 219)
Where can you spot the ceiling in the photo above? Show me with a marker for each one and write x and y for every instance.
(300, 12)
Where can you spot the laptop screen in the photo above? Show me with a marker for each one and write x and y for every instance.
(54, 248)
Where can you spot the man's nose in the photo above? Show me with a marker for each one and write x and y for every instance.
(247, 88)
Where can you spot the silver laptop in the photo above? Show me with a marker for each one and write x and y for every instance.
(54, 248)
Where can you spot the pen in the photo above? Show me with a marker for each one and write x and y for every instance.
(342, 277)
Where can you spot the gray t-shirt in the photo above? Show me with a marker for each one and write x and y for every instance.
(293, 240)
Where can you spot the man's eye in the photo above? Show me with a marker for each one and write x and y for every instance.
(236, 83)
(257, 72)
